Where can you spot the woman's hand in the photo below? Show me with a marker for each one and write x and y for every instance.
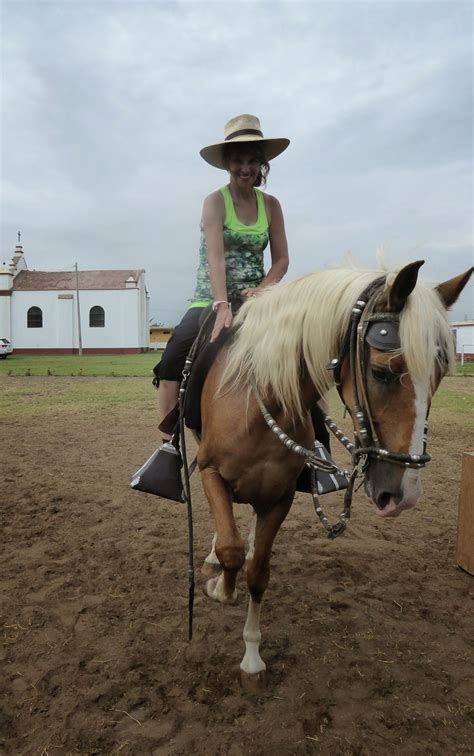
(223, 319)
(250, 292)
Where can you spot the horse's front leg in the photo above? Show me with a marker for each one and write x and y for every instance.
(228, 545)
(252, 665)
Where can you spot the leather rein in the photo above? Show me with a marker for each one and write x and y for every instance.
(367, 327)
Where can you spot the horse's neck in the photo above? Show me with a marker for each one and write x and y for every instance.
(309, 394)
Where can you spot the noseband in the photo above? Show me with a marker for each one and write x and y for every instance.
(381, 331)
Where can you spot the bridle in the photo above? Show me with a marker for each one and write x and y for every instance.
(367, 328)
(381, 331)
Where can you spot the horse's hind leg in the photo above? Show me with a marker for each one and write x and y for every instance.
(228, 546)
(252, 665)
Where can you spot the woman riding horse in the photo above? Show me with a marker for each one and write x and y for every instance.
(238, 222)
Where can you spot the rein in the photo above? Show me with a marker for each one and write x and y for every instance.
(362, 331)
(315, 463)
(188, 470)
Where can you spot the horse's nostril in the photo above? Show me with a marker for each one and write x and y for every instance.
(383, 499)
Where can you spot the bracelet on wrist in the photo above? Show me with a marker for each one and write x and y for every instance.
(216, 304)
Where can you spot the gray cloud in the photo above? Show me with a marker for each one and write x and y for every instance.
(106, 104)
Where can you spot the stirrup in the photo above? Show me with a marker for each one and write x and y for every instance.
(161, 474)
(328, 482)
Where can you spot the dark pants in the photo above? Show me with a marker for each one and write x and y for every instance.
(177, 349)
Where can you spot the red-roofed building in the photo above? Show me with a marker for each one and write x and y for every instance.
(39, 309)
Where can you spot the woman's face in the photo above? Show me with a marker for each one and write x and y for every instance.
(243, 168)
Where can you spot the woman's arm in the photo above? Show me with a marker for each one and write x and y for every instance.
(213, 224)
(278, 246)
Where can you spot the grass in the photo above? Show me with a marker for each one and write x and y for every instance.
(447, 402)
(117, 365)
(113, 365)
(466, 369)
(61, 397)
(105, 394)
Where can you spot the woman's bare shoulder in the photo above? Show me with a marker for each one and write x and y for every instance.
(271, 200)
(214, 198)
(213, 206)
(272, 206)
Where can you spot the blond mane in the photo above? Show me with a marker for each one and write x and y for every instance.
(305, 320)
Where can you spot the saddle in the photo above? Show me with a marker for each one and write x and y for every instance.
(161, 474)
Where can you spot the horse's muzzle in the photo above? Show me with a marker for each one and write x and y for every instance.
(392, 488)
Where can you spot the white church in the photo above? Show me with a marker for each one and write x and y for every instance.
(103, 311)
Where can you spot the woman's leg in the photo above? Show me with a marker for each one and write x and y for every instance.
(172, 362)
(167, 398)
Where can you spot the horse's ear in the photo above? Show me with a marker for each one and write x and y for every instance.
(450, 290)
(403, 286)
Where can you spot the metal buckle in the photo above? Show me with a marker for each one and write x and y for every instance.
(336, 530)
(362, 464)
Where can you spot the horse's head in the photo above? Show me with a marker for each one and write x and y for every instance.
(399, 353)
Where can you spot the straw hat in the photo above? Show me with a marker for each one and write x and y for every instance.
(241, 129)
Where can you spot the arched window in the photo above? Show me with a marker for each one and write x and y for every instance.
(96, 317)
(34, 318)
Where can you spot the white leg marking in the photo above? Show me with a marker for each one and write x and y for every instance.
(251, 541)
(411, 483)
(252, 662)
(212, 556)
(215, 590)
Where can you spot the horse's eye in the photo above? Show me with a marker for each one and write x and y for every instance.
(384, 375)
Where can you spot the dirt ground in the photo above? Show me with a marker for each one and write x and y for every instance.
(367, 639)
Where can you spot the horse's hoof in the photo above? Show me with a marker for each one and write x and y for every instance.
(254, 683)
(210, 570)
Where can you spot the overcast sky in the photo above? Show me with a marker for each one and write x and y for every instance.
(106, 104)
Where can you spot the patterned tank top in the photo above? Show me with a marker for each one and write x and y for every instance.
(243, 251)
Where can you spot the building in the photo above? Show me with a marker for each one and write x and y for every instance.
(39, 310)
(464, 338)
(159, 337)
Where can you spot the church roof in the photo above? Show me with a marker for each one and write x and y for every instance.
(37, 280)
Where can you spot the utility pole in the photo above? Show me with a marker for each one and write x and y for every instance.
(78, 312)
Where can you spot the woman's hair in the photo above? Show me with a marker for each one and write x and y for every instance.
(250, 148)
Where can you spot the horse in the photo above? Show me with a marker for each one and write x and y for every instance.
(383, 337)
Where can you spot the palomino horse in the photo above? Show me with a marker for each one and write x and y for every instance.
(388, 342)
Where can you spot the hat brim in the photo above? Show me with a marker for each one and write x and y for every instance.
(212, 154)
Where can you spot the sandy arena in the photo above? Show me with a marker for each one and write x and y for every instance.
(368, 639)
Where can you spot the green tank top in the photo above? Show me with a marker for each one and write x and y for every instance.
(243, 251)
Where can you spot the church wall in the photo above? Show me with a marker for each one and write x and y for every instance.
(122, 331)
